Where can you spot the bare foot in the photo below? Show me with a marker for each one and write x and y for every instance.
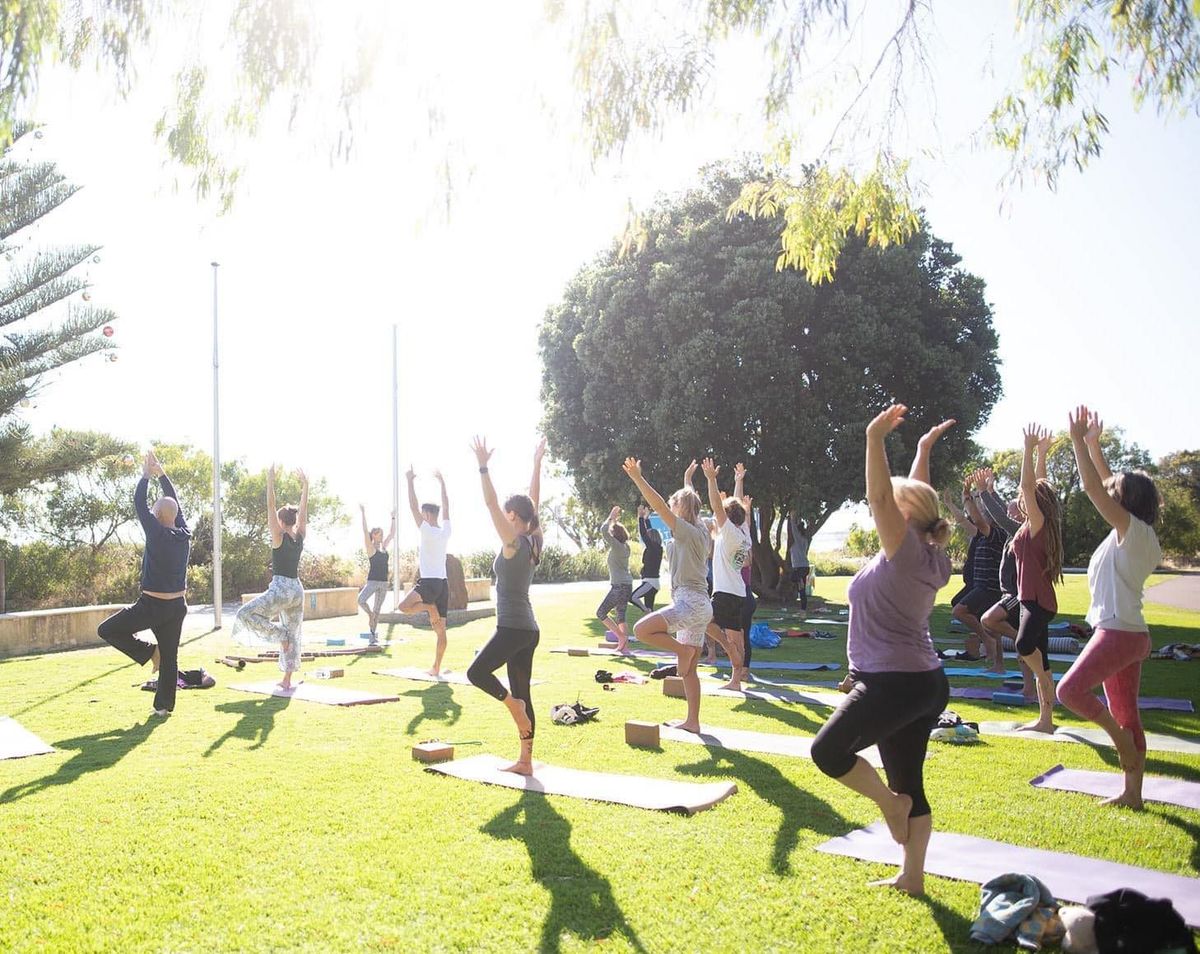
(432, 671)
(685, 725)
(896, 816)
(519, 768)
(1125, 800)
(734, 685)
(622, 646)
(997, 669)
(1037, 726)
(285, 682)
(1127, 752)
(913, 886)
(516, 708)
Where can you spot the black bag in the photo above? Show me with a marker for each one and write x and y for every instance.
(1128, 922)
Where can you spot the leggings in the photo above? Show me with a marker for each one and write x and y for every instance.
(164, 618)
(1112, 658)
(514, 647)
(646, 593)
(748, 609)
(285, 598)
(374, 590)
(894, 710)
(1033, 632)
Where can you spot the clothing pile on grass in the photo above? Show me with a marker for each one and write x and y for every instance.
(1180, 652)
(951, 728)
(187, 679)
(1020, 908)
(575, 714)
(604, 677)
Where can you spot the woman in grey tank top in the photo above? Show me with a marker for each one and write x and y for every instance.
(516, 635)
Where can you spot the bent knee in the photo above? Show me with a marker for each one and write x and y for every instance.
(831, 758)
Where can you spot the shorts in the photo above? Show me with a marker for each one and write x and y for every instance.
(958, 597)
(434, 592)
(978, 600)
(727, 610)
(1012, 605)
(799, 574)
(619, 595)
(687, 616)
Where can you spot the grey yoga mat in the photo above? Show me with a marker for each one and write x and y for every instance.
(1069, 877)
(1155, 788)
(668, 795)
(16, 741)
(719, 664)
(446, 675)
(1155, 741)
(310, 692)
(744, 740)
(1144, 702)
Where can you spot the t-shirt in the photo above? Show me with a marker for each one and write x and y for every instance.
(798, 554)
(1033, 585)
(432, 552)
(618, 556)
(730, 555)
(689, 554)
(1116, 575)
(890, 603)
(989, 551)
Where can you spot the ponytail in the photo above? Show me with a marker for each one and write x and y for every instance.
(523, 507)
(535, 539)
(939, 532)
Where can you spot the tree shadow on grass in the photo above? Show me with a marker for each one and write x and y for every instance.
(256, 722)
(437, 705)
(790, 714)
(799, 809)
(1175, 817)
(95, 753)
(581, 900)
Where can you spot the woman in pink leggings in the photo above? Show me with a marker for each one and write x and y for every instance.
(1113, 656)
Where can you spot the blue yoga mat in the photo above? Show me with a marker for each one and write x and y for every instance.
(984, 674)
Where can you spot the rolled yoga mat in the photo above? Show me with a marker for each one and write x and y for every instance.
(1155, 741)
(743, 740)
(1144, 702)
(446, 675)
(310, 692)
(17, 742)
(667, 795)
(1069, 877)
(1155, 788)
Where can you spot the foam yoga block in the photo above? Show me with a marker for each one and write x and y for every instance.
(743, 740)
(17, 742)
(673, 686)
(1009, 698)
(431, 753)
(1069, 877)
(1155, 788)
(307, 692)
(643, 734)
(666, 795)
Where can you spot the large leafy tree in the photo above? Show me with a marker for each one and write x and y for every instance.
(698, 345)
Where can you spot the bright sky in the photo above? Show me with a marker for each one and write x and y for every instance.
(1093, 287)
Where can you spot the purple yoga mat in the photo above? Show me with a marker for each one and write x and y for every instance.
(1155, 788)
(1144, 702)
(1069, 877)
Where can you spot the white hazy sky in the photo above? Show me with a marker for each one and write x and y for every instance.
(1093, 287)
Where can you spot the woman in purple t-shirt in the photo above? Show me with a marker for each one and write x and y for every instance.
(898, 688)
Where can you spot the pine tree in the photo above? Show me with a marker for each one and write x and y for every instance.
(41, 327)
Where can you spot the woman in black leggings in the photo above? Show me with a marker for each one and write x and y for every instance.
(516, 635)
(896, 686)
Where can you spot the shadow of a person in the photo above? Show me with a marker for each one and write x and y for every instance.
(256, 722)
(437, 705)
(95, 753)
(581, 900)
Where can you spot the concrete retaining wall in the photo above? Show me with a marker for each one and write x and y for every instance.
(326, 603)
(53, 630)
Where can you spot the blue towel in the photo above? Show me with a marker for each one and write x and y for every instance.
(763, 637)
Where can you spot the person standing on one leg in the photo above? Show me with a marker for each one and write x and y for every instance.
(517, 634)
(897, 688)
(432, 593)
(798, 557)
(730, 553)
(611, 611)
(1039, 550)
(652, 556)
(285, 595)
(751, 603)
(376, 587)
(1129, 503)
(162, 606)
(690, 610)
(985, 584)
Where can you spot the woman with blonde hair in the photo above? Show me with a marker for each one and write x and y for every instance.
(896, 685)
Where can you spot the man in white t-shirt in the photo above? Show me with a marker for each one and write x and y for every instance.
(731, 550)
(432, 593)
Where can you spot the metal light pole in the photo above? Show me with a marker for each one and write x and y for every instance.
(396, 464)
(216, 525)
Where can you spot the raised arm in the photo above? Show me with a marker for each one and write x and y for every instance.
(413, 506)
(1082, 423)
(302, 517)
(739, 480)
(366, 531)
(959, 515)
(1029, 481)
(272, 516)
(633, 469)
(605, 529)
(889, 521)
(1043, 455)
(535, 482)
(920, 464)
(391, 534)
(644, 524)
(688, 472)
(993, 506)
(445, 499)
(504, 528)
(714, 494)
(1095, 451)
(148, 521)
(975, 509)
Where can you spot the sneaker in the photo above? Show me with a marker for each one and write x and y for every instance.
(162, 712)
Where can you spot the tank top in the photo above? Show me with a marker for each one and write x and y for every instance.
(379, 566)
(513, 577)
(285, 558)
(1033, 583)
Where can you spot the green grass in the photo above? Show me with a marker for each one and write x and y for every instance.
(245, 823)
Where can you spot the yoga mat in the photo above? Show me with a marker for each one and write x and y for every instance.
(1155, 742)
(310, 692)
(446, 675)
(16, 741)
(719, 664)
(666, 795)
(743, 740)
(1155, 788)
(1054, 657)
(830, 699)
(1144, 702)
(1069, 877)
(984, 674)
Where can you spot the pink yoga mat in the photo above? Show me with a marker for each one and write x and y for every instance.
(1155, 788)
(1069, 877)
(744, 740)
(310, 692)
(16, 741)
(666, 795)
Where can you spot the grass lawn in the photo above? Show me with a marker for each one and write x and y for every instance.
(245, 823)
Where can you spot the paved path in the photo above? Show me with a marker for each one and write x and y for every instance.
(1182, 592)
